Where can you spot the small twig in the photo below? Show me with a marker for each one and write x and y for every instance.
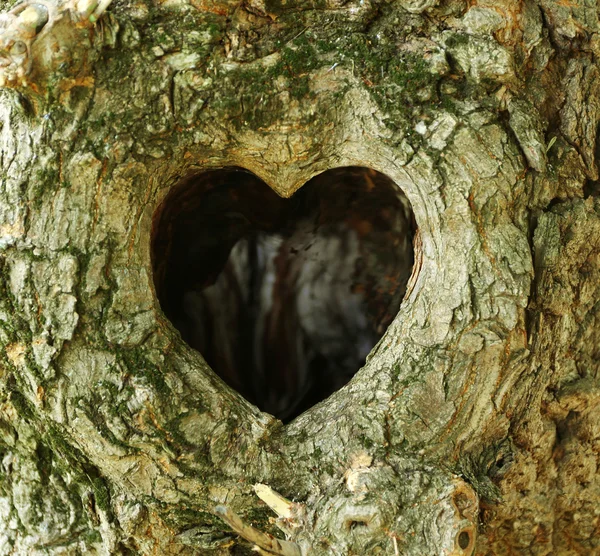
(264, 541)
(100, 9)
(300, 33)
(280, 505)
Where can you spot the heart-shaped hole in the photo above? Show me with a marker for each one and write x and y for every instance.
(284, 298)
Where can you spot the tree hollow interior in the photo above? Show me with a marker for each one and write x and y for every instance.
(284, 298)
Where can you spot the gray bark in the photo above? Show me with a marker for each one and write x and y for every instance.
(115, 435)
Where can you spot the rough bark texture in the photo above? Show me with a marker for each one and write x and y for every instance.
(478, 410)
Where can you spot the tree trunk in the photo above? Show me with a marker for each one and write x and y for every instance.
(474, 425)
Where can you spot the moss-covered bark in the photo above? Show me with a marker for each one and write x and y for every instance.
(116, 437)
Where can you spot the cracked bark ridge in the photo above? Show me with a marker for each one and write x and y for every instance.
(485, 383)
(46, 45)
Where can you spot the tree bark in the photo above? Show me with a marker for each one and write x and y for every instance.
(474, 425)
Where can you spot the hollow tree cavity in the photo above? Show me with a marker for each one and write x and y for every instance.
(283, 297)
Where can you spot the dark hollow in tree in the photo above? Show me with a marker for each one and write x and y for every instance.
(284, 298)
